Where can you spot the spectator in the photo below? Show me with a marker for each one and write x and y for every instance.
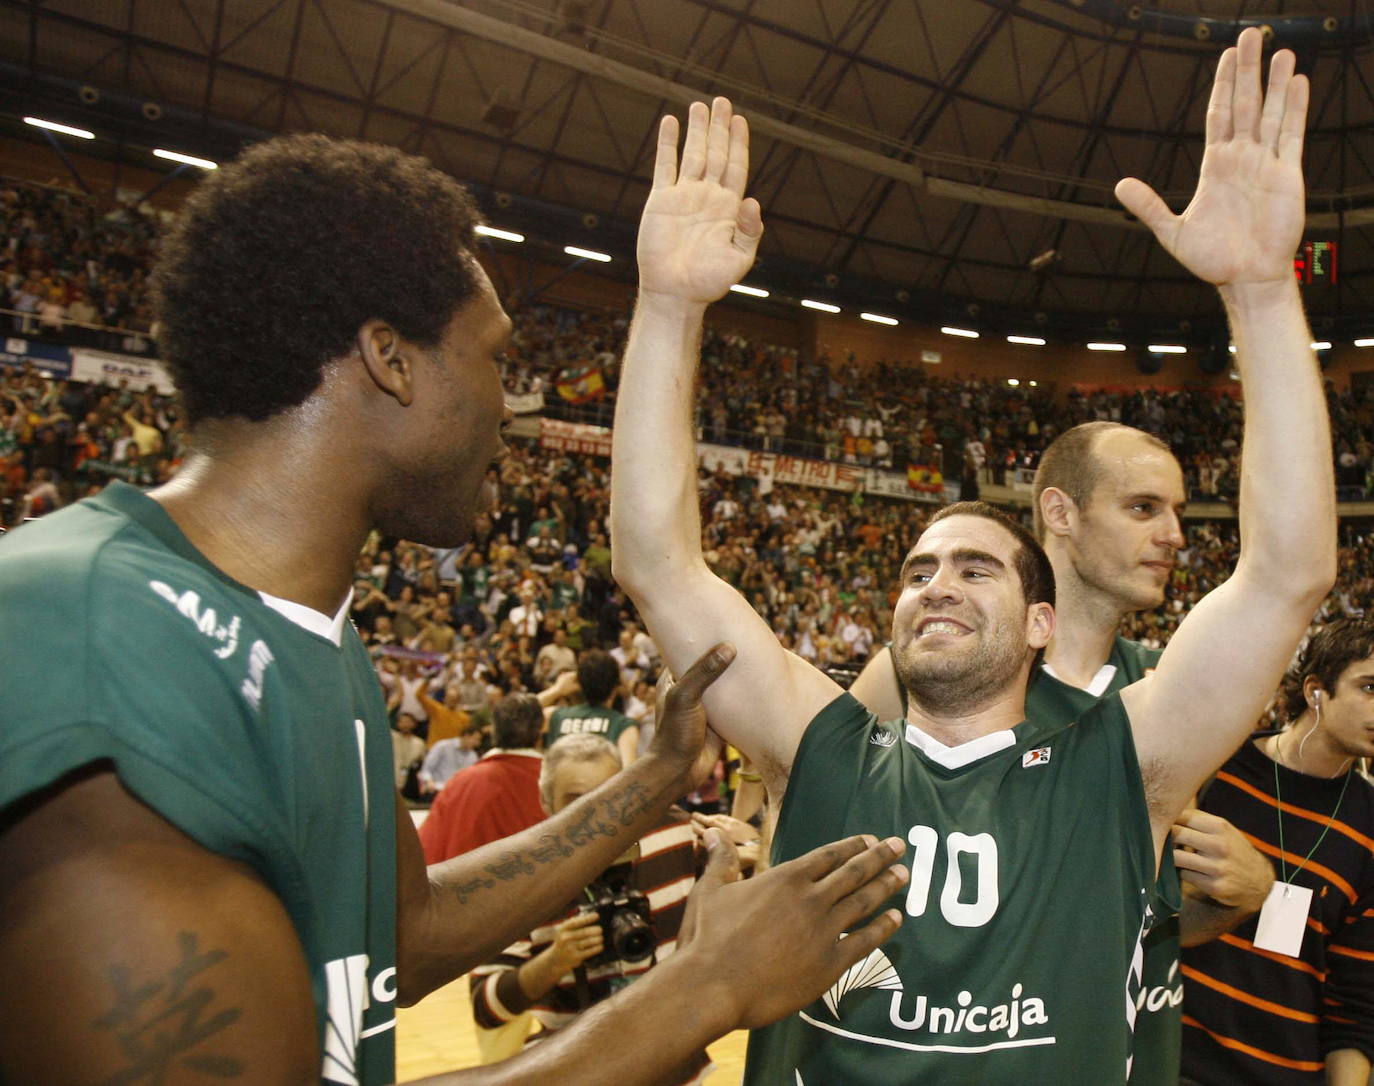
(598, 676)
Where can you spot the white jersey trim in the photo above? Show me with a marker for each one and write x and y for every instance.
(310, 620)
(1097, 688)
(963, 754)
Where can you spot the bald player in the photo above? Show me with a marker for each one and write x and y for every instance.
(1107, 500)
(1034, 847)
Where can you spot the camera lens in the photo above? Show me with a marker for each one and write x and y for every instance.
(630, 936)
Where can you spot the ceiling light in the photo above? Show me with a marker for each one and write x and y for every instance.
(877, 318)
(1321, 345)
(53, 126)
(1364, 343)
(186, 160)
(1033, 341)
(587, 254)
(1106, 346)
(493, 232)
(1167, 348)
(824, 307)
(967, 333)
(753, 292)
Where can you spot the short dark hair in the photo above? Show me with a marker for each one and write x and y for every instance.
(280, 256)
(1071, 464)
(516, 721)
(1032, 564)
(598, 674)
(1331, 650)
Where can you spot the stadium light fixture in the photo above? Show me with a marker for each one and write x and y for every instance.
(587, 254)
(966, 333)
(1106, 346)
(1013, 382)
(1031, 341)
(1321, 345)
(753, 292)
(1231, 347)
(186, 160)
(1033, 384)
(1166, 348)
(493, 232)
(877, 318)
(1364, 343)
(65, 129)
(824, 307)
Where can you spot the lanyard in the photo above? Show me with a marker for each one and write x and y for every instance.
(1278, 811)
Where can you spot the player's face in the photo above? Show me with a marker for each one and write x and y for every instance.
(1348, 711)
(455, 434)
(961, 630)
(1125, 538)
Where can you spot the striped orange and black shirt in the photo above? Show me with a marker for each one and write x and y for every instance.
(1252, 1016)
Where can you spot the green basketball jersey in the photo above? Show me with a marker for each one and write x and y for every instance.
(262, 739)
(583, 719)
(1159, 1004)
(1018, 959)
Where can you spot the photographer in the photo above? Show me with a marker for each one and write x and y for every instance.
(612, 933)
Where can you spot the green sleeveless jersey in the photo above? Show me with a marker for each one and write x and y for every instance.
(263, 737)
(1159, 1004)
(1019, 956)
(583, 719)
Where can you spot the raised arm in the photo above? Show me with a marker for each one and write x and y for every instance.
(1240, 232)
(697, 237)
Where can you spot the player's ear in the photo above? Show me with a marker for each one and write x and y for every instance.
(1039, 625)
(387, 359)
(1057, 511)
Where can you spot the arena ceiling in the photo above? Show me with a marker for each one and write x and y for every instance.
(912, 156)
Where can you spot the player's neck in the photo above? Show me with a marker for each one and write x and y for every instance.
(954, 728)
(1307, 749)
(1085, 627)
(269, 524)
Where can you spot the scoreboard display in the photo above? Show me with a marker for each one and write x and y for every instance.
(1316, 262)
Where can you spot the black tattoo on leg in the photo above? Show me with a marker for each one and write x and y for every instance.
(158, 1024)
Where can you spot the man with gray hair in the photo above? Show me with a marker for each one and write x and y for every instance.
(617, 928)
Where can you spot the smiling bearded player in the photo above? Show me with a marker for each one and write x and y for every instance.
(1034, 847)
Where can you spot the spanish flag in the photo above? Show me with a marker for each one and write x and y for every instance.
(919, 477)
(578, 384)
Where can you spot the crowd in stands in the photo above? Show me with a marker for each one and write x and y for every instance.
(67, 258)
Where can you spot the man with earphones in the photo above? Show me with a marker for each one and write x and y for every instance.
(1290, 993)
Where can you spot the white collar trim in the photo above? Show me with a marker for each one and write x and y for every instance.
(963, 754)
(1098, 687)
(331, 628)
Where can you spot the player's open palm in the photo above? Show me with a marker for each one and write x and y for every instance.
(1246, 218)
(699, 233)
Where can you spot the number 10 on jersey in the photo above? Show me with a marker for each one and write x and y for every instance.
(925, 842)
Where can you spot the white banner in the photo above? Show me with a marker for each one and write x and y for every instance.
(114, 369)
(526, 403)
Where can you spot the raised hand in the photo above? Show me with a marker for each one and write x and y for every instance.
(699, 232)
(1245, 220)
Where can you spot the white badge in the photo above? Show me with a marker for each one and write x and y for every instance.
(1283, 919)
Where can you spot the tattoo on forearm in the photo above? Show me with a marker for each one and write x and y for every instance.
(510, 865)
(160, 1024)
(606, 818)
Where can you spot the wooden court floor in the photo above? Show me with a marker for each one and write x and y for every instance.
(436, 1036)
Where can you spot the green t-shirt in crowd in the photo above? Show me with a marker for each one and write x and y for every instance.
(582, 719)
(254, 725)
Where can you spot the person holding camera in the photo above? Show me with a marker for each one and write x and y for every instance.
(612, 933)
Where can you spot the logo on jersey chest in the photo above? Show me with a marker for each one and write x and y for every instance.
(968, 1018)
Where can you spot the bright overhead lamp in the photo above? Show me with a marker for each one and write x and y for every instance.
(877, 318)
(753, 292)
(1166, 348)
(824, 307)
(1033, 384)
(186, 160)
(587, 254)
(1106, 346)
(1364, 343)
(1032, 341)
(967, 333)
(493, 232)
(1231, 347)
(1321, 345)
(65, 129)
(1013, 382)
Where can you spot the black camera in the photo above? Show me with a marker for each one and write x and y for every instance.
(627, 931)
